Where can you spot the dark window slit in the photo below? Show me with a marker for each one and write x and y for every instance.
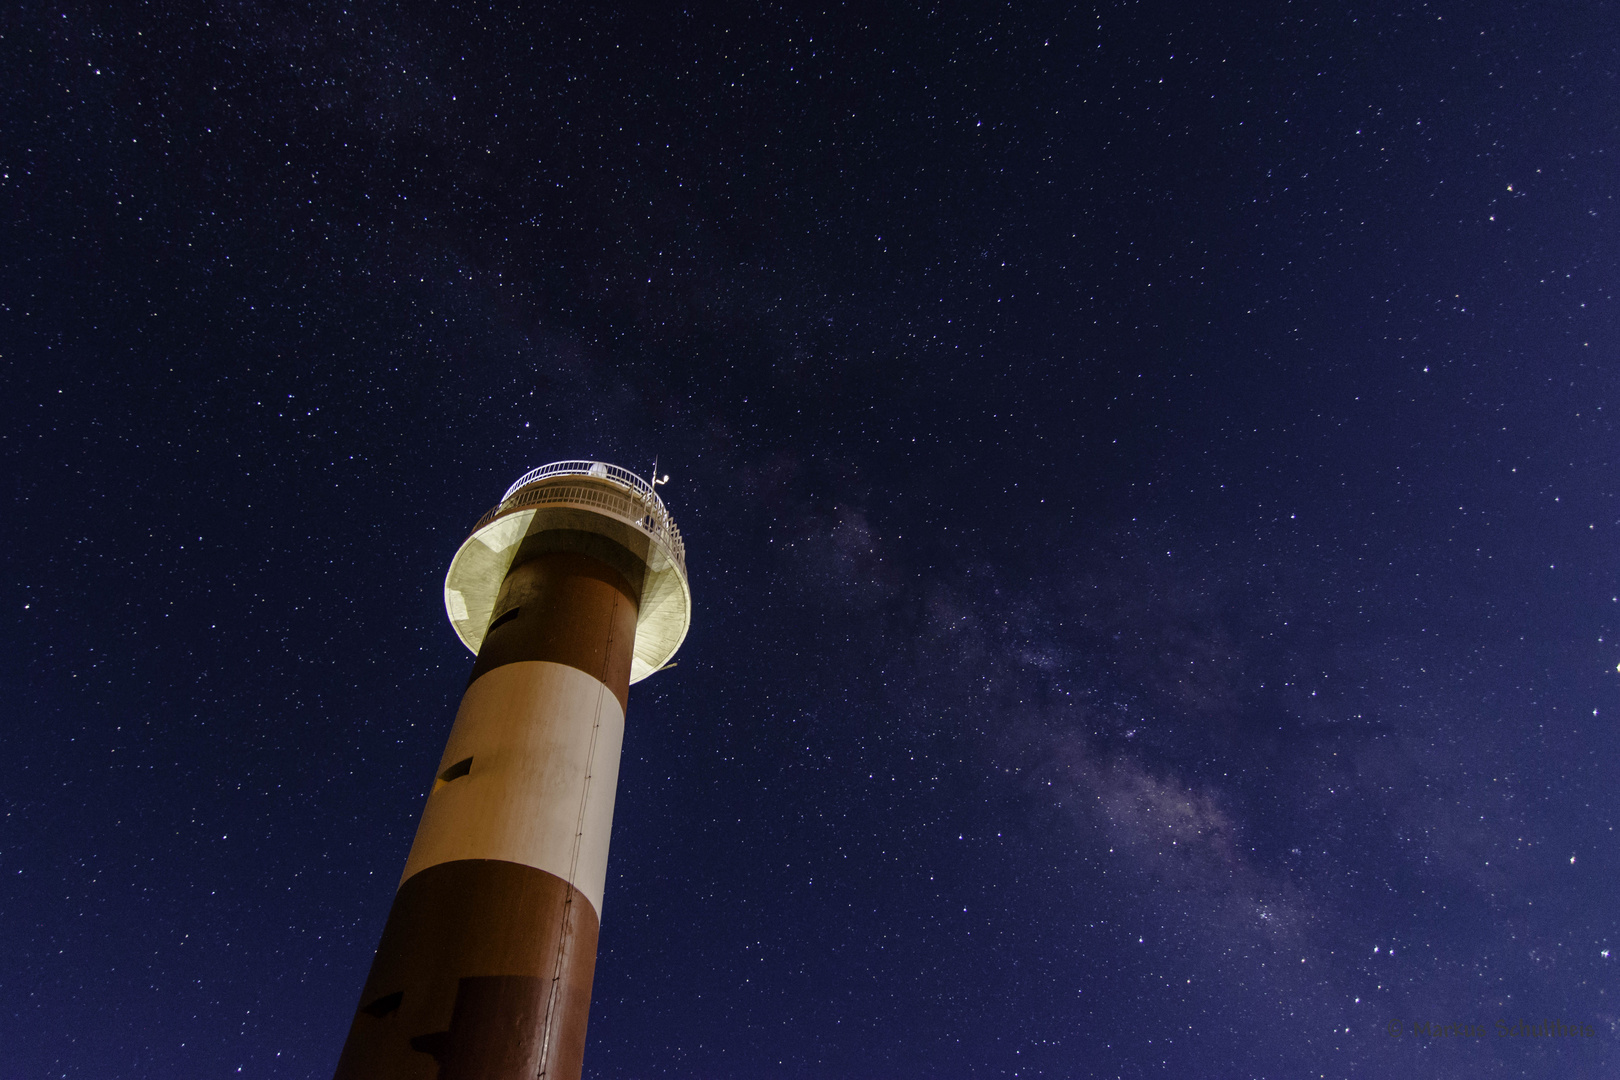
(436, 1043)
(505, 618)
(384, 1005)
(457, 771)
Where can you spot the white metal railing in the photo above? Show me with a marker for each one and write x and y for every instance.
(599, 469)
(640, 506)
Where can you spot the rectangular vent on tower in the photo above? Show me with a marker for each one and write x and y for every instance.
(384, 1005)
(456, 771)
(506, 617)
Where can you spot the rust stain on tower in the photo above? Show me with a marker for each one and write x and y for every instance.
(570, 590)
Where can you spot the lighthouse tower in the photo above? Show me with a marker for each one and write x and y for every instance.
(570, 590)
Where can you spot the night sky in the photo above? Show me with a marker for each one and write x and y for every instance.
(1148, 475)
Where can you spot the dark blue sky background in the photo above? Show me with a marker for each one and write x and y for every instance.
(1148, 474)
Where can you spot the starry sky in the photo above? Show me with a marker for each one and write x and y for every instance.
(1147, 472)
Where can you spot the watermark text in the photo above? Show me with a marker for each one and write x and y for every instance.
(1501, 1029)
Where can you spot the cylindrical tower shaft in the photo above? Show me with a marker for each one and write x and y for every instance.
(485, 964)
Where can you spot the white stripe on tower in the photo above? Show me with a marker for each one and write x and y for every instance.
(544, 739)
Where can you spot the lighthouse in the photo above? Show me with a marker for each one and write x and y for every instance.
(567, 592)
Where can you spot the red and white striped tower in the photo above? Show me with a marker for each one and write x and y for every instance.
(570, 590)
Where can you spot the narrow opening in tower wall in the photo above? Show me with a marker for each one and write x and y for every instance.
(505, 618)
(456, 771)
(384, 1005)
